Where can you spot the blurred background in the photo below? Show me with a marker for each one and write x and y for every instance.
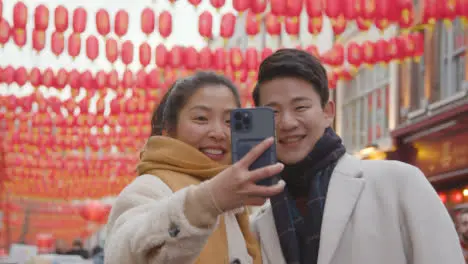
(79, 81)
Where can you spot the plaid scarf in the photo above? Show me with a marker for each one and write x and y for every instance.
(300, 234)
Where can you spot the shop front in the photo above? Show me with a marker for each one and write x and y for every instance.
(438, 146)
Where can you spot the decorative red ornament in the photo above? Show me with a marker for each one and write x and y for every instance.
(219, 59)
(367, 9)
(383, 13)
(252, 25)
(350, 10)
(147, 21)
(74, 45)
(241, 5)
(292, 26)
(35, 77)
(278, 7)
(266, 52)
(162, 56)
(92, 48)
(8, 75)
(113, 79)
(141, 79)
(192, 58)
(74, 79)
(406, 17)
(368, 49)
(87, 81)
(41, 17)
(101, 80)
(165, 24)
(38, 40)
(45, 243)
(381, 47)
(5, 32)
(57, 43)
(128, 80)
(258, 6)
(315, 25)
(61, 19)
(236, 58)
(112, 50)
(94, 211)
(176, 58)
(20, 15)
(145, 54)
(294, 8)
(313, 50)
(273, 25)
(362, 24)
(80, 17)
(61, 79)
(127, 52)
(314, 8)
(227, 26)
(19, 37)
(103, 22)
(205, 25)
(205, 58)
(217, 3)
(195, 3)
(354, 54)
(251, 58)
(21, 76)
(339, 25)
(121, 23)
(48, 78)
(153, 79)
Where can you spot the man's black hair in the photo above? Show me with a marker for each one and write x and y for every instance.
(293, 63)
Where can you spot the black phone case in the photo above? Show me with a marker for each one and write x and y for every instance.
(262, 126)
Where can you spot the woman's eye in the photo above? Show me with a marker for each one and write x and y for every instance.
(301, 108)
(201, 118)
(228, 121)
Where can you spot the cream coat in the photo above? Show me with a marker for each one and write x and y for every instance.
(147, 215)
(382, 212)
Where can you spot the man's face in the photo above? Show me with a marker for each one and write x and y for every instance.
(300, 118)
(463, 226)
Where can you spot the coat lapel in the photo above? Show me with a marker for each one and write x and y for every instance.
(344, 190)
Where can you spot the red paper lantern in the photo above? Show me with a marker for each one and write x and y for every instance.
(448, 10)
(383, 13)
(313, 50)
(112, 50)
(273, 25)
(294, 8)
(128, 80)
(20, 15)
(278, 7)
(217, 3)
(147, 21)
(368, 49)
(350, 10)
(48, 78)
(314, 8)
(315, 25)
(251, 58)
(354, 55)
(236, 58)
(57, 43)
(113, 79)
(74, 45)
(35, 77)
(45, 243)
(74, 79)
(101, 80)
(406, 17)
(367, 9)
(339, 25)
(241, 5)
(80, 17)
(252, 25)
(205, 58)
(192, 58)
(92, 48)
(141, 79)
(195, 3)
(5, 32)
(41, 17)
(153, 79)
(38, 40)
(103, 22)
(228, 24)
(62, 79)
(219, 59)
(121, 23)
(176, 58)
(362, 24)
(61, 19)
(266, 52)
(21, 76)
(8, 75)
(19, 37)
(333, 9)
(94, 211)
(87, 81)
(381, 47)
(145, 54)
(292, 26)
(430, 12)
(162, 56)
(258, 6)
(165, 24)
(205, 25)
(127, 52)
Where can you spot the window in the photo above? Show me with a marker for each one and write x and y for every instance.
(365, 108)
(417, 95)
(452, 60)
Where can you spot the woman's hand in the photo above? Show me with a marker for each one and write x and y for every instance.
(236, 186)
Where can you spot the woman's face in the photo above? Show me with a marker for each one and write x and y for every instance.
(204, 122)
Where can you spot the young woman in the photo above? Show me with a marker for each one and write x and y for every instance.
(187, 204)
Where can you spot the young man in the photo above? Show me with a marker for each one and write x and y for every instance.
(337, 209)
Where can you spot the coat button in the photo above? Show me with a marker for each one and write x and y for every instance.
(174, 230)
(236, 261)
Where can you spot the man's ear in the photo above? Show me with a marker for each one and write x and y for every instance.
(329, 111)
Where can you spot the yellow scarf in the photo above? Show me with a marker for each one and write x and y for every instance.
(179, 165)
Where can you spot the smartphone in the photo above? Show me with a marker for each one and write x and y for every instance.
(249, 127)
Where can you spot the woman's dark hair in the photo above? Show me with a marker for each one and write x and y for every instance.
(166, 114)
(293, 63)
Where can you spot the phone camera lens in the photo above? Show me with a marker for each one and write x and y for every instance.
(246, 120)
(238, 126)
(238, 116)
